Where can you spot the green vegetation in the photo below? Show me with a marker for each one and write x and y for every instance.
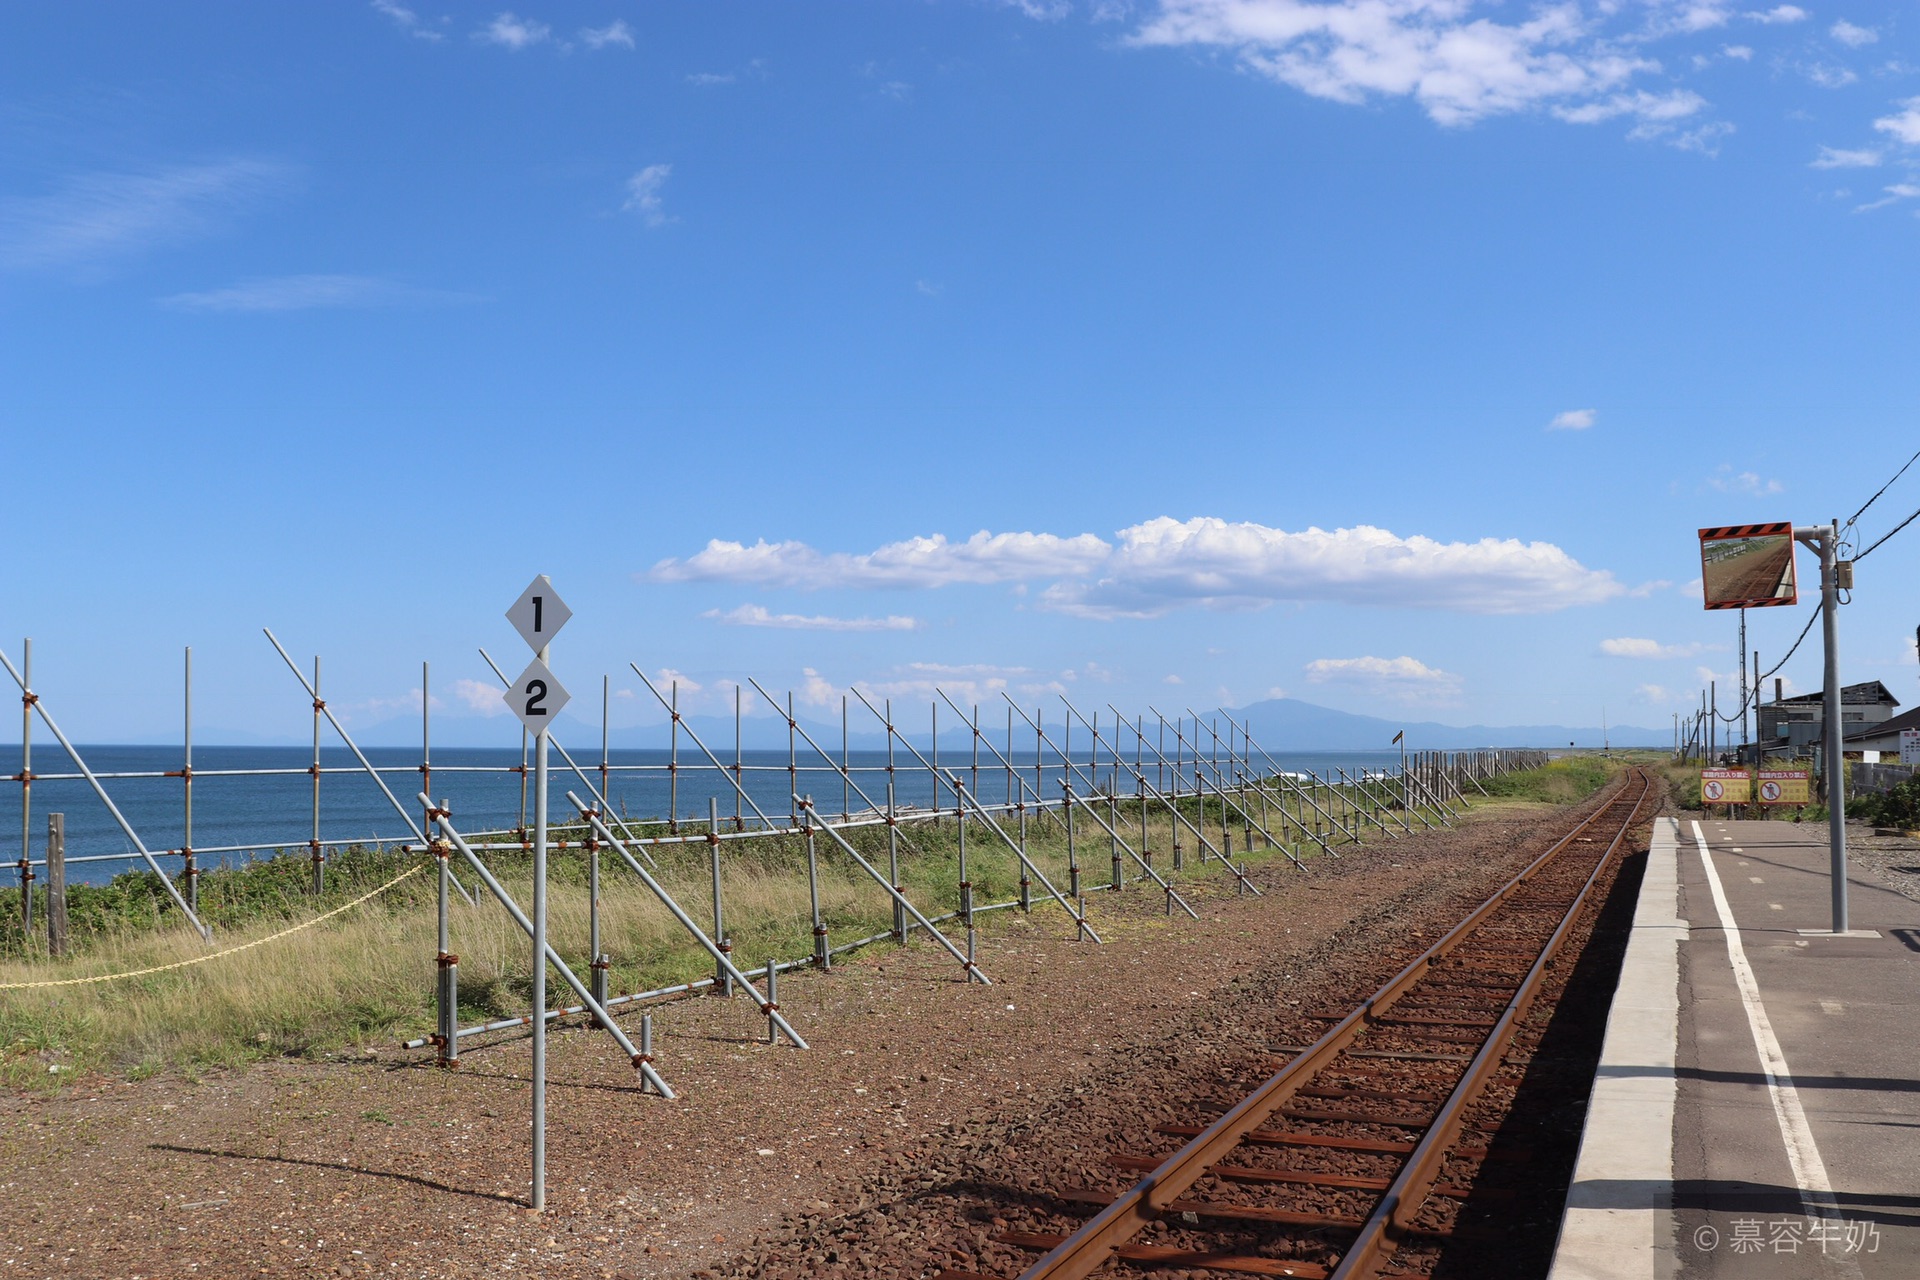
(1899, 806)
(366, 976)
(1567, 780)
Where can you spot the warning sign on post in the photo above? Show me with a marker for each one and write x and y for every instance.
(1784, 786)
(1724, 786)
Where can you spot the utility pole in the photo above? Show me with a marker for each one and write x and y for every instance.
(1835, 575)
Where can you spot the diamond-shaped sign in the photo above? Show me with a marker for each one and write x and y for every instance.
(539, 613)
(537, 696)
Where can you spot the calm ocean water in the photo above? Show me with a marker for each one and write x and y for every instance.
(276, 809)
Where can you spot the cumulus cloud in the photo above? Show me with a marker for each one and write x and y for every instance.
(1903, 125)
(1635, 647)
(1854, 37)
(1404, 678)
(916, 562)
(1162, 564)
(1839, 158)
(1573, 420)
(643, 194)
(614, 33)
(514, 33)
(1451, 56)
(95, 218)
(311, 292)
(479, 698)
(1654, 693)
(1779, 15)
(753, 615)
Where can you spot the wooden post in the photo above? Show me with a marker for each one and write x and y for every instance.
(57, 884)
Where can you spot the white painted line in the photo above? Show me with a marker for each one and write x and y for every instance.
(1756, 880)
(1619, 1223)
(1803, 1154)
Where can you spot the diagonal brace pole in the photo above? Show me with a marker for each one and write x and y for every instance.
(973, 970)
(33, 699)
(686, 921)
(600, 1016)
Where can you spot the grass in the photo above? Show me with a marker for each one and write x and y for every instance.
(366, 977)
(1567, 780)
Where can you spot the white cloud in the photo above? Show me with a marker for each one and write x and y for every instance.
(712, 77)
(1829, 75)
(1171, 680)
(510, 32)
(643, 194)
(1905, 126)
(1727, 480)
(306, 293)
(753, 615)
(1854, 37)
(1407, 679)
(616, 32)
(1897, 192)
(1634, 647)
(1042, 10)
(927, 288)
(1573, 420)
(1838, 158)
(666, 676)
(1651, 110)
(1164, 563)
(923, 682)
(1704, 140)
(405, 19)
(1738, 52)
(479, 698)
(917, 562)
(1779, 14)
(96, 217)
(1458, 63)
(1654, 693)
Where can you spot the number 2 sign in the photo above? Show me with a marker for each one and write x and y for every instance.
(536, 697)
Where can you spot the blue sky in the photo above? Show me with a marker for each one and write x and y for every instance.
(1386, 353)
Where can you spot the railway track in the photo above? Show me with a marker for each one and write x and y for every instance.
(1328, 1167)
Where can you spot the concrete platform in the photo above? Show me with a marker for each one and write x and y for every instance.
(1757, 1108)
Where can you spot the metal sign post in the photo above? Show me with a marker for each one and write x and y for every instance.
(536, 698)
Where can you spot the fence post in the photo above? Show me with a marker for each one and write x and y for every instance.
(57, 884)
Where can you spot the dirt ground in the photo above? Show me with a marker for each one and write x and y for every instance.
(386, 1166)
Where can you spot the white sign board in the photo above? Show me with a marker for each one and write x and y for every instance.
(539, 613)
(1910, 746)
(536, 697)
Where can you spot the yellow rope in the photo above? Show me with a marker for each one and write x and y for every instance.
(215, 955)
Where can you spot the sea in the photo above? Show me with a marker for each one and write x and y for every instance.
(255, 802)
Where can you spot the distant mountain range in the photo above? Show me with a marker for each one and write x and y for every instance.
(1278, 724)
(1289, 724)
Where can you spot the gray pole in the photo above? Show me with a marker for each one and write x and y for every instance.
(56, 884)
(1836, 729)
(539, 1197)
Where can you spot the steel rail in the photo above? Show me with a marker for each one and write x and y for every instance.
(1395, 1211)
(1098, 1241)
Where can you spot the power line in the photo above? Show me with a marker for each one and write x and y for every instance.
(1883, 537)
(1753, 698)
(1882, 489)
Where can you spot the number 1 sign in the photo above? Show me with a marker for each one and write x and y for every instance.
(539, 613)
